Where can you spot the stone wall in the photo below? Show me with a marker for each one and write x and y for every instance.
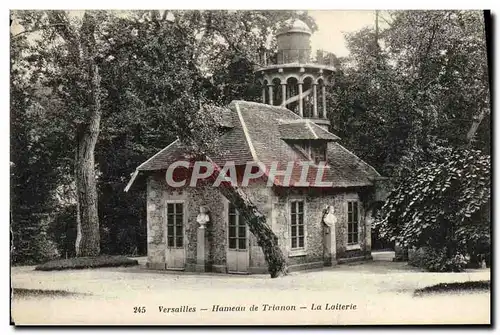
(276, 207)
(314, 207)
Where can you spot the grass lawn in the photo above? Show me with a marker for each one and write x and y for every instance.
(86, 263)
(469, 286)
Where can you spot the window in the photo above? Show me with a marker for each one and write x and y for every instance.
(352, 223)
(297, 224)
(318, 152)
(315, 150)
(237, 230)
(175, 223)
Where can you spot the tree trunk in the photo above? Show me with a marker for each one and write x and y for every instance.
(87, 241)
(88, 238)
(475, 125)
(257, 223)
(82, 50)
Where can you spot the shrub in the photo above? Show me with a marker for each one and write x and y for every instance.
(444, 205)
(62, 230)
(416, 257)
(482, 285)
(438, 260)
(86, 263)
(30, 242)
(46, 249)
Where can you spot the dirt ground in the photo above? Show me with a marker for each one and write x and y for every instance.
(364, 293)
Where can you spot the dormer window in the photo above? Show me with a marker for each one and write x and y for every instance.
(318, 151)
(315, 150)
(307, 138)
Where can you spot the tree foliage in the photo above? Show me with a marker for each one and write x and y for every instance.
(442, 205)
(413, 99)
(35, 169)
(422, 79)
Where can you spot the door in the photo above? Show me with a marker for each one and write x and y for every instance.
(237, 252)
(175, 254)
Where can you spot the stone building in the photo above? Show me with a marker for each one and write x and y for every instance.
(290, 125)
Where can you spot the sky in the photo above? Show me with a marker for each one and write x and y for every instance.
(333, 24)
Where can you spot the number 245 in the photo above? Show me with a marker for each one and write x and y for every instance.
(140, 309)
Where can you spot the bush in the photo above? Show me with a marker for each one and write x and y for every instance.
(86, 263)
(62, 230)
(479, 249)
(437, 260)
(481, 285)
(416, 257)
(444, 204)
(45, 248)
(30, 241)
(26, 292)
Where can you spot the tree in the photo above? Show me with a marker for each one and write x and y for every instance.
(444, 205)
(67, 56)
(412, 105)
(201, 141)
(425, 81)
(82, 51)
(35, 148)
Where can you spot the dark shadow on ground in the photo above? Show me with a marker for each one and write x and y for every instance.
(454, 288)
(30, 293)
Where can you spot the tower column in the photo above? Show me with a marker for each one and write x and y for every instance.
(270, 88)
(264, 95)
(315, 100)
(283, 95)
(301, 103)
(323, 96)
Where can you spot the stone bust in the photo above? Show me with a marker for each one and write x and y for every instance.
(330, 219)
(203, 217)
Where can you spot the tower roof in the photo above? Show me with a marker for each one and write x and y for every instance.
(295, 26)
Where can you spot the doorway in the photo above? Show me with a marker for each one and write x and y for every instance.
(237, 251)
(175, 253)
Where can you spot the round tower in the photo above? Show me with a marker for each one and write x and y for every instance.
(296, 82)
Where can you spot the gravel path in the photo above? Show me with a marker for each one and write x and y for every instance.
(381, 291)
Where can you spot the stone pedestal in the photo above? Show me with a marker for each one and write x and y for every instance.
(333, 246)
(200, 250)
(330, 246)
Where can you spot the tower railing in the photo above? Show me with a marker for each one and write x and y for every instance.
(302, 56)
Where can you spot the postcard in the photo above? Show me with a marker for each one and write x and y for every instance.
(250, 167)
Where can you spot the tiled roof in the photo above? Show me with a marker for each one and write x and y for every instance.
(304, 129)
(163, 158)
(257, 134)
(344, 169)
(323, 133)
